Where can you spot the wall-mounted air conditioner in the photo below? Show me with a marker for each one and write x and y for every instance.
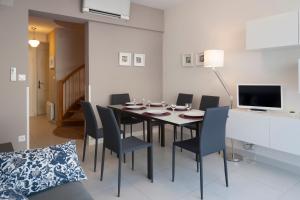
(112, 8)
(6, 3)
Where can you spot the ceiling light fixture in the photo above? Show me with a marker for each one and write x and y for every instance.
(34, 42)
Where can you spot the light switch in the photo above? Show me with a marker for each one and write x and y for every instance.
(13, 74)
(22, 77)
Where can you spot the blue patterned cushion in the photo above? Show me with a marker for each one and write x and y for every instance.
(35, 170)
(10, 194)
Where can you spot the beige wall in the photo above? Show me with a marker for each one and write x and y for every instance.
(69, 50)
(14, 52)
(197, 25)
(107, 77)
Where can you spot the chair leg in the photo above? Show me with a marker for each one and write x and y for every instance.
(191, 133)
(102, 163)
(181, 135)
(159, 134)
(84, 147)
(225, 167)
(173, 163)
(175, 133)
(152, 164)
(96, 153)
(131, 130)
(144, 134)
(201, 176)
(119, 175)
(124, 129)
(132, 167)
(197, 160)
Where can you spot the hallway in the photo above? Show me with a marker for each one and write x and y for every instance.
(41, 133)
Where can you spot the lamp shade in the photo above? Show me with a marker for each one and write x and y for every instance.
(33, 43)
(214, 58)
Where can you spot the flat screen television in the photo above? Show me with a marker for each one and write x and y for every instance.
(259, 97)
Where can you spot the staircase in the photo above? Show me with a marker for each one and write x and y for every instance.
(70, 92)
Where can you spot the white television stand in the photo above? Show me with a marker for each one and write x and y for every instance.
(272, 129)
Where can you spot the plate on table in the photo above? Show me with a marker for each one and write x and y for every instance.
(135, 107)
(194, 114)
(156, 104)
(178, 108)
(157, 112)
(132, 104)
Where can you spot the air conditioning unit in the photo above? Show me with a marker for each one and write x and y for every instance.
(7, 3)
(112, 8)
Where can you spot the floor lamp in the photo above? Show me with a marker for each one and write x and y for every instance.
(214, 59)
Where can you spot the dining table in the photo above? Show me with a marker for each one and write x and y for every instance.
(164, 115)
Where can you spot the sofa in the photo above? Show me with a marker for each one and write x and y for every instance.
(74, 190)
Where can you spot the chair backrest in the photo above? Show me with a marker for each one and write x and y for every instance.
(111, 130)
(91, 126)
(119, 99)
(212, 137)
(209, 102)
(182, 99)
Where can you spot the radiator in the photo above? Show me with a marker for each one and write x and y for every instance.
(50, 111)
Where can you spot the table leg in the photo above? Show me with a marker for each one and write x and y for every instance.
(175, 132)
(162, 135)
(149, 153)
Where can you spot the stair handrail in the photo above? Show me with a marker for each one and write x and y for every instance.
(70, 90)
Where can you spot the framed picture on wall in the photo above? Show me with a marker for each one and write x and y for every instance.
(139, 60)
(200, 59)
(124, 59)
(187, 60)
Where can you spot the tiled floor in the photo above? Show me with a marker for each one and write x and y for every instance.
(247, 179)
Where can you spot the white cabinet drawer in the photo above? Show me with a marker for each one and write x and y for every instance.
(285, 134)
(249, 127)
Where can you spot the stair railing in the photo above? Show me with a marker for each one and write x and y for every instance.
(69, 91)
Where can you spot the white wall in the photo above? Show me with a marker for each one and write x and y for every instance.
(196, 25)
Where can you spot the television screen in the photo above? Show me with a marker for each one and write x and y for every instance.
(260, 96)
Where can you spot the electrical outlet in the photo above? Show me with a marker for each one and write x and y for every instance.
(22, 138)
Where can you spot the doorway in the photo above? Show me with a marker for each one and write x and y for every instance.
(57, 79)
(39, 73)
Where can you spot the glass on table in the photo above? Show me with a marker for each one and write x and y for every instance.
(173, 107)
(188, 106)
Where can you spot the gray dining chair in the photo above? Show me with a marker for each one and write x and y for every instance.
(205, 103)
(91, 129)
(112, 141)
(210, 140)
(182, 99)
(121, 99)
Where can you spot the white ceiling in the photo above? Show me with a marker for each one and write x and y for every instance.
(161, 4)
